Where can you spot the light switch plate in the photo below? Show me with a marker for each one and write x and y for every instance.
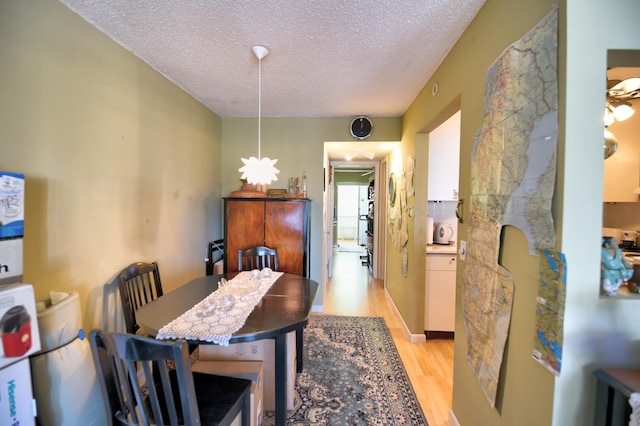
(462, 250)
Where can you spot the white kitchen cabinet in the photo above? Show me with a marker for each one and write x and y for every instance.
(440, 295)
(444, 160)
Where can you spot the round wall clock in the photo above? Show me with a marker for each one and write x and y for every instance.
(361, 127)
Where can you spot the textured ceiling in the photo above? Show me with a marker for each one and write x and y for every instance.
(328, 58)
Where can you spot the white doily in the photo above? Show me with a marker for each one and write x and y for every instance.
(634, 402)
(217, 325)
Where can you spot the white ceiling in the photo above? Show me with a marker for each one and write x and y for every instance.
(328, 58)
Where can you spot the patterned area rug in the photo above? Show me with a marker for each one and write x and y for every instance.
(352, 375)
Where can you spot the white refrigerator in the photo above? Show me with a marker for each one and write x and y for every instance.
(19, 335)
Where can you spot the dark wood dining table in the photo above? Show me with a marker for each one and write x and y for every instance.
(284, 308)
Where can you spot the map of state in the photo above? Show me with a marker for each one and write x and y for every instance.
(547, 346)
(512, 179)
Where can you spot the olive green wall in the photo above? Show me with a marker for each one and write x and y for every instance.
(121, 165)
(298, 144)
(525, 394)
(351, 178)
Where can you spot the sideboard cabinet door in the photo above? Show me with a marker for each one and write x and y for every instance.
(243, 219)
(280, 223)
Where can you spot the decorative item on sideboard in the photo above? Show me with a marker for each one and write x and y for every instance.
(248, 190)
(297, 187)
(294, 184)
(276, 193)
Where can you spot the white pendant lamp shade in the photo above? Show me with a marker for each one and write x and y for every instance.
(259, 171)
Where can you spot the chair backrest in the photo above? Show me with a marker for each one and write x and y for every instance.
(215, 252)
(257, 257)
(138, 284)
(127, 368)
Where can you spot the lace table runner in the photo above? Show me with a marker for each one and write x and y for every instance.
(634, 402)
(217, 325)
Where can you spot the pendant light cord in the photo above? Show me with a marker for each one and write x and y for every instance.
(259, 171)
(259, 102)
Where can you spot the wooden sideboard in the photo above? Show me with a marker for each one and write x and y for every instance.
(282, 223)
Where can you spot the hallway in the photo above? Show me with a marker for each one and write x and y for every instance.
(352, 291)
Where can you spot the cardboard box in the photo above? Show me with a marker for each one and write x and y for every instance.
(250, 370)
(259, 350)
(16, 397)
(19, 335)
(11, 256)
(218, 267)
(11, 205)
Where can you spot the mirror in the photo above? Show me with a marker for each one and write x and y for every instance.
(392, 189)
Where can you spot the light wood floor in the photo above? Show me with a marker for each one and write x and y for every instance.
(352, 291)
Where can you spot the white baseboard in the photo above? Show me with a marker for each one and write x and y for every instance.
(453, 420)
(413, 338)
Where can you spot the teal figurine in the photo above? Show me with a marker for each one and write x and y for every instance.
(615, 268)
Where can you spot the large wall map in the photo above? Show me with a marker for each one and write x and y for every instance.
(512, 180)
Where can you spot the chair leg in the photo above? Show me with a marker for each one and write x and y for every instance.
(246, 409)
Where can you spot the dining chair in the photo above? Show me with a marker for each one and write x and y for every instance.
(147, 381)
(257, 257)
(214, 253)
(138, 284)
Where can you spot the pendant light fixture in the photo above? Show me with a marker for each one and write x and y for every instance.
(259, 171)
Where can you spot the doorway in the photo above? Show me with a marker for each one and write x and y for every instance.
(353, 188)
(339, 155)
(351, 212)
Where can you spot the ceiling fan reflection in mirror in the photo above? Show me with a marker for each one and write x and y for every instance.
(620, 93)
(624, 90)
(618, 107)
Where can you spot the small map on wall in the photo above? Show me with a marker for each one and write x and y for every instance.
(512, 181)
(547, 347)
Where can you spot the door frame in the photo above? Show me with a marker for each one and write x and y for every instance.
(378, 258)
(380, 218)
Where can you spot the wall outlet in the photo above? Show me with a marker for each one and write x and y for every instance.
(462, 250)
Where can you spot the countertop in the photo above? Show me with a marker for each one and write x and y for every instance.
(442, 249)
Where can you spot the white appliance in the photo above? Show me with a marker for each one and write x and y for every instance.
(66, 365)
(444, 233)
(19, 339)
